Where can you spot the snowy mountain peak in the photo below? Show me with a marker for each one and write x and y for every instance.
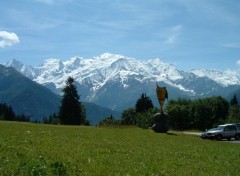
(122, 64)
(73, 63)
(109, 56)
(156, 62)
(14, 63)
(51, 62)
(74, 60)
(225, 78)
(102, 77)
(27, 70)
(164, 70)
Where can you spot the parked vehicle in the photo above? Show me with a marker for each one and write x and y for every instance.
(238, 125)
(226, 131)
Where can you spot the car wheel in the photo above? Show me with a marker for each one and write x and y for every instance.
(219, 137)
(237, 136)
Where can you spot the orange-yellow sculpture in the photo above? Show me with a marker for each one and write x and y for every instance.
(162, 94)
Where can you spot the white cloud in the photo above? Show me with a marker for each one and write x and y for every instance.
(8, 39)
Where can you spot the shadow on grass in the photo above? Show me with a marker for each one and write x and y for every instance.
(172, 134)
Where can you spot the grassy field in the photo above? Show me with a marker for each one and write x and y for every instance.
(33, 149)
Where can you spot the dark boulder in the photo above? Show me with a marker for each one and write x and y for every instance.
(160, 123)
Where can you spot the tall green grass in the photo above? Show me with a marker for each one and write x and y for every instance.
(33, 149)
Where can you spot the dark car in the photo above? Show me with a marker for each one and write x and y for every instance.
(238, 125)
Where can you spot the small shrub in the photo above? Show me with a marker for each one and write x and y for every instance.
(109, 121)
(146, 119)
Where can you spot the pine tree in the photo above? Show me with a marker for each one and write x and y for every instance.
(234, 100)
(70, 112)
(144, 103)
(7, 113)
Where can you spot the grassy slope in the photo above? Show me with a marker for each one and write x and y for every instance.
(31, 149)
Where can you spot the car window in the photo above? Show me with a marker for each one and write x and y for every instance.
(220, 127)
(233, 128)
(230, 128)
(238, 126)
(227, 128)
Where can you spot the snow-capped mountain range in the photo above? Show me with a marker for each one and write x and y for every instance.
(116, 81)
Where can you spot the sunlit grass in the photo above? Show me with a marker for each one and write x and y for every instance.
(33, 149)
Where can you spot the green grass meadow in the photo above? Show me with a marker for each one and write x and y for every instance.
(35, 149)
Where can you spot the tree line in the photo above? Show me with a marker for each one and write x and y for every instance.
(183, 114)
(141, 115)
(7, 113)
(201, 114)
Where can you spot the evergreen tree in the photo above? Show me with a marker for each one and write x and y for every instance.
(23, 118)
(70, 112)
(144, 103)
(234, 114)
(234, 100)
(7, 113)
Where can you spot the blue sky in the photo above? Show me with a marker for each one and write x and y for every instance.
(187, 33)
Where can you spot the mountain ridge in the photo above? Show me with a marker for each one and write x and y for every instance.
(103, 77)
(36, 101)
(26, 96)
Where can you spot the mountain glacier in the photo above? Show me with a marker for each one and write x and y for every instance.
(116, 81)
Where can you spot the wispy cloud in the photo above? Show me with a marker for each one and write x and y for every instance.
(173, 34)
(210, 11)
(238, 62)
(52, 2)
(231, 45)
(8, 39)
(38, 21)
(46, 1)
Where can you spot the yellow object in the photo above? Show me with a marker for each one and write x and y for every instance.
(162, 94)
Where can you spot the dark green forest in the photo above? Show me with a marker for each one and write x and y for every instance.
(184, 114)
